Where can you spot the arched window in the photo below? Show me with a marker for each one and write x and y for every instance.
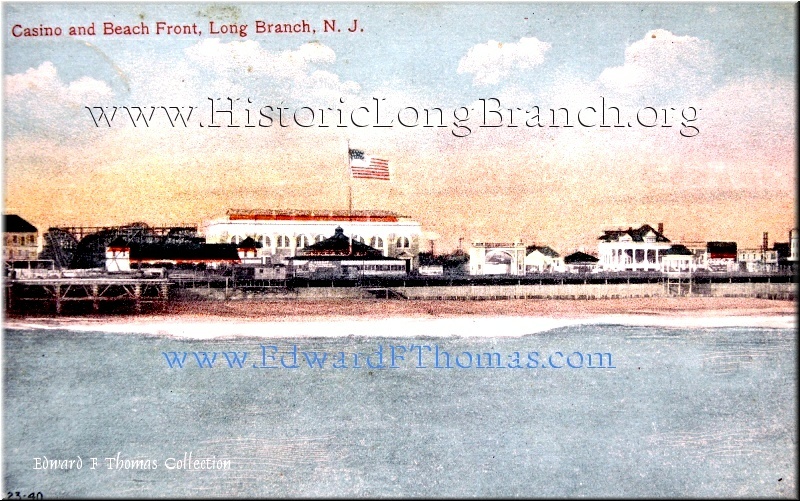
(403, 243)
(319, 238)
(265, 240)
(357, 238)
(236, 239)
(301, 241)
(283, 242)
(376, 242)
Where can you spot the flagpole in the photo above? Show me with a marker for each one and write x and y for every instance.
(349, 182)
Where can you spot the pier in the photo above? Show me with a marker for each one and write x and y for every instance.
(54, 294)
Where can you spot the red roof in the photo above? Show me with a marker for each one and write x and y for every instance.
(311, 215)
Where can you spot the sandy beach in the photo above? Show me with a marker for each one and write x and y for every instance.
(373, 308)
(324, 318)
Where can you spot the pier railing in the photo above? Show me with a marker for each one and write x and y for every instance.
(104, 293)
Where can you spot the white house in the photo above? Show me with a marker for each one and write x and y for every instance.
(638, 249)
(542, 259)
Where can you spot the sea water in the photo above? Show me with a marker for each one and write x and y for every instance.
(667, 412)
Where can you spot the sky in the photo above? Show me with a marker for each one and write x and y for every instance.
(706, 96)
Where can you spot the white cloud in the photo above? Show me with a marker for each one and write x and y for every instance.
(39, 102)
(250, 57)
(42, 88)
(751, 120)
(294, 68)
(493, 60)
(662, 62)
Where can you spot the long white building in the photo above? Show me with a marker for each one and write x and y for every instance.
(638, 249)
(282, 233)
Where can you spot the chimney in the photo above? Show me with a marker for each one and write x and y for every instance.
(661, 228)
(765, 243)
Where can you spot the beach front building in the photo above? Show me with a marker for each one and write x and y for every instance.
(794, 243)
(638, 249)
(20, 239)
(542, 259)
(248, 251)
(340, 256)
(118, 256)
(699, 252)
(758, 260)
(580, 262)
(721, 257)
(122, 256)
(282, 234)
(497, 258)
(678, 259)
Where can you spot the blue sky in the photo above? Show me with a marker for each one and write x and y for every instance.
(421, 44)
(737, 62)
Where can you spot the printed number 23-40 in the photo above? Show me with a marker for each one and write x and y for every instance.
(19, 495)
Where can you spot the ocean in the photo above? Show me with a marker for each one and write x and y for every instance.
(577, 410)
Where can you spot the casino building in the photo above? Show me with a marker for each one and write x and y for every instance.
(282, 233)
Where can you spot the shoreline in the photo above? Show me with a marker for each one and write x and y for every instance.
(398, 318)
(380, 308)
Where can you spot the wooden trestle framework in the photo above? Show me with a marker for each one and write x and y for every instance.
(58, 292)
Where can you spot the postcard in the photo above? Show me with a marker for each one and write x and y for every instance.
(399, 250)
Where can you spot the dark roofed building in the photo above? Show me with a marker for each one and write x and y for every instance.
(249, 243)
(342, 256)
(580, 262)
(640, 234)
(678, 250)
(783, 250)
(184, 253)
(547, 251)
(678, 258)
(580, 257)
(721, 256)
(12, 223)
(248, 250)
(119, 243)
(339, 245)
(122, 256)
(21, 239)
(721, 250)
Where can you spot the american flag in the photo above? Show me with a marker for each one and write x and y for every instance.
(364, 166)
